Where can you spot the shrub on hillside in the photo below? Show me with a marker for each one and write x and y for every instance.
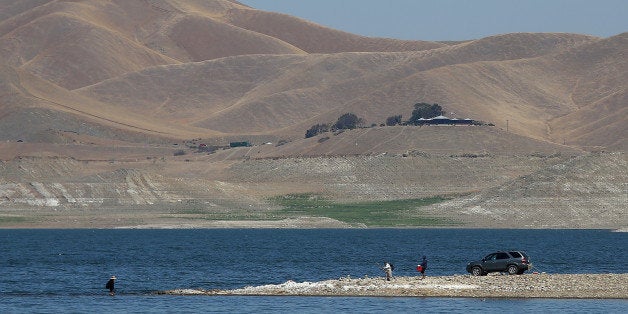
(393, 120)
(316, 129)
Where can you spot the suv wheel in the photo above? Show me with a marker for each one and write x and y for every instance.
(477, 271)
(513, 270)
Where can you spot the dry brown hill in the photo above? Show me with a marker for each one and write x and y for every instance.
(462, 141)
(314, 38)
(79, 43)
(288, 93)
(600, 94)
(62, 43)
(257, 76)
(106, 103)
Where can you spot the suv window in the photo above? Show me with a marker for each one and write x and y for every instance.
(502, 256)
(515, 254)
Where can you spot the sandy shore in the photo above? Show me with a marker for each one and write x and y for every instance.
(581, 286)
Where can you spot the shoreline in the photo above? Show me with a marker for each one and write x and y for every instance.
(304, 222)
(546, 286)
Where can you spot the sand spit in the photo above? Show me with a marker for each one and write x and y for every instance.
(580, 286)
(288, 223)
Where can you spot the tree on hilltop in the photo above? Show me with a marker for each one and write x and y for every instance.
(425, 111)
(347, 121)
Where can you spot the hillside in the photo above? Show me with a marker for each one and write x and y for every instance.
(129, 107)
(220, 67)
(595, 185)
(527, 191)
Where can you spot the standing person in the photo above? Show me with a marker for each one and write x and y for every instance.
(423, 267)
(388, 268)
(111, 285)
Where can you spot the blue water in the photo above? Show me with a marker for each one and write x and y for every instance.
(66, 270)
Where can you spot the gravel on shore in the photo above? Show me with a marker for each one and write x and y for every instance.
(558, 286)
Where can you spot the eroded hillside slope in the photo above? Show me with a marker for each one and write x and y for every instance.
(527, 191)
(583, 192)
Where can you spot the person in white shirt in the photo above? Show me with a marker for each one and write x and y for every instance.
(388, 268)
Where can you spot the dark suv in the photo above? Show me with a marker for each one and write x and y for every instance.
(513, 262)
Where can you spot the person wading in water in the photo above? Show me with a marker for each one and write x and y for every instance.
(111, 285)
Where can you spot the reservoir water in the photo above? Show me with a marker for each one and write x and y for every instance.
(47, 271)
